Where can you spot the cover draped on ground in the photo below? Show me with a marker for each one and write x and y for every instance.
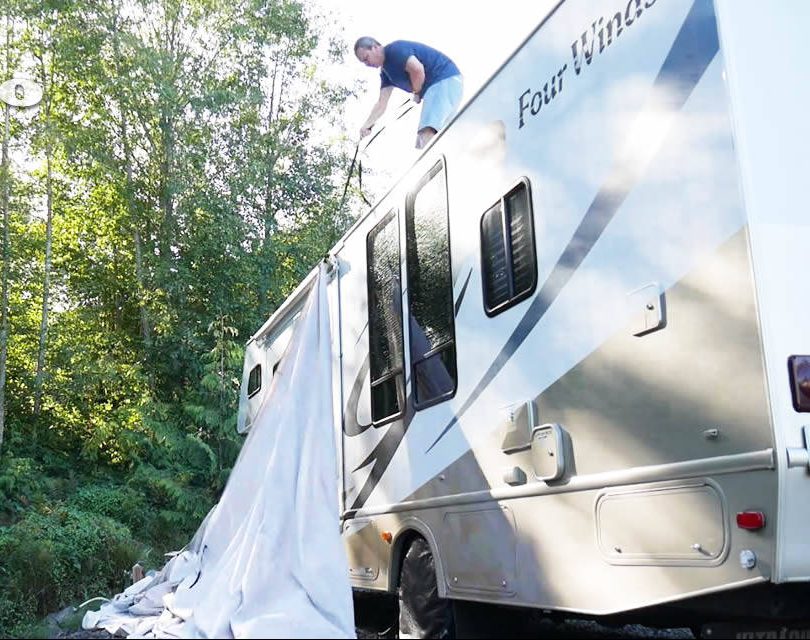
(268, 561)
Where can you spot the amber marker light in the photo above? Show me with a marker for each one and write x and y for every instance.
(386, 535)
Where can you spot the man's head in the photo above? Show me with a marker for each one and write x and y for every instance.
(369, 52)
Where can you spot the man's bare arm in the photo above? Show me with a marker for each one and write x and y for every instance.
(416, 72)
(376, 111)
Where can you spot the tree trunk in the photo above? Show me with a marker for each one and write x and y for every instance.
(146, 334)
(269, 224)
(6, 177)
(166, 188)
(46, 285)
(6, 260)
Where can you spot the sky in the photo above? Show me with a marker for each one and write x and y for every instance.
(478, 36)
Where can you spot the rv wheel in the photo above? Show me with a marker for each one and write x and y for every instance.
(422, 613)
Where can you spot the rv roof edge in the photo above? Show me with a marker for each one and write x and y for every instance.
(292, 300)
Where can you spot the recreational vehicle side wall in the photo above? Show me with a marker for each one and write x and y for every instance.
(562, 340)
(772, 132)
(264, 351)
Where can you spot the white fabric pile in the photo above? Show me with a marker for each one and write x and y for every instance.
(268, 561)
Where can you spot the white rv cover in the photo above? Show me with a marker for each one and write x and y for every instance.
(268, 561)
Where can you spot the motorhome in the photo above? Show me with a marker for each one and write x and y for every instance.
(571, 350)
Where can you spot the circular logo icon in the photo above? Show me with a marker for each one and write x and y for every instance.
(20, 92)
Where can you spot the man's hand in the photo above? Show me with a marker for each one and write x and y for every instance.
(416, 98)
(376, 111)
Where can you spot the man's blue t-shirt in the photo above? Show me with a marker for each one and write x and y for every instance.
(437, 65)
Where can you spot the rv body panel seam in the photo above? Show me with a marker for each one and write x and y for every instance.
(720, 465)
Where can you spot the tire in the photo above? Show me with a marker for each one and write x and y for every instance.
(422, 613)
(376, 615)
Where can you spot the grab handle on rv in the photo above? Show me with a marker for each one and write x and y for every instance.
(799, 457)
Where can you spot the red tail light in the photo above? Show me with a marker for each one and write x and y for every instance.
(751, 520)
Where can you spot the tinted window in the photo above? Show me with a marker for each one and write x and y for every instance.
(508, 256)
(254, 380)
(386, 358)
(430, 291)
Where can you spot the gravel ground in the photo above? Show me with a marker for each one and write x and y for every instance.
(589, 629)
(575, 629)
(568, 629)
(544, 629)
(488, 623)
(99, 634)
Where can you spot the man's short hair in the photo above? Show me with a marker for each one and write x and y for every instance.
(366, 42)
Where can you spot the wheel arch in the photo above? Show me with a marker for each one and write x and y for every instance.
(410, 529)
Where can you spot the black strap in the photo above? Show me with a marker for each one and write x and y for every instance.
(405, 112)
(373, 138)
(360, 164)
(349, 177)
(360, 182)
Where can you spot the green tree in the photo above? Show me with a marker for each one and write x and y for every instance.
(184, 174)
(5, 180)
(212, 405)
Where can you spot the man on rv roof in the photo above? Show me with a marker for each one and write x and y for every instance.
(428, 74)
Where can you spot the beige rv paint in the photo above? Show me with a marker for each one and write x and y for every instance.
(771, 138)
(638, 413)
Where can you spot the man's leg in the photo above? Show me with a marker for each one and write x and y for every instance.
(424, 136)
(439, 105)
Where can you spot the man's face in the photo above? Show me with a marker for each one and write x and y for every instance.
(371, 57)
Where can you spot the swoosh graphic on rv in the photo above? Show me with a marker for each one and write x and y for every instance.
(382, 454)
(461, 295)
(695, 46)
(351, 426)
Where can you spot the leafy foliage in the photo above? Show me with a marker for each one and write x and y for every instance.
(50, 559)
(181, 176)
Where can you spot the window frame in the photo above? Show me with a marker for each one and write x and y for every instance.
(400, 387)
(523, 181)
(439, 166)
(251, 377)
